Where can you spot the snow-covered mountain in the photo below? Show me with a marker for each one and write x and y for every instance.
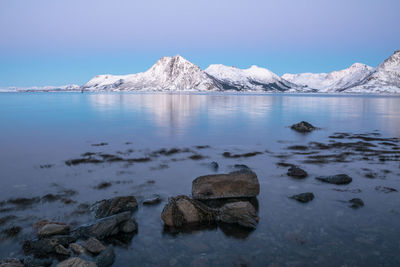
(331, 82)
(251, 79)
(69, 87)
(384, 79)
(168, 74)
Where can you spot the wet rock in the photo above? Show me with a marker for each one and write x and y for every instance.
(241, 213)
(152, 201)
(182, 210)
(77, 248)
(6, 219)
(297, 172)
(196, 157)
(103, 185)
(30, 261)
(303, 197)
(108, 207)
(106, 258)
(93, 246)
(11, 262)
(129, 227)
(298, 147)
(338, 179)
(45, 246)
(303, 127)
(51, 229)
(234, 184)
(61, 250)
(214, 165)
(104, 227)
(385, 189)
(356, 203)
(76, 262)
(242, 167)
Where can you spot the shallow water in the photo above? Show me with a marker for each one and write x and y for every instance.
(49, 128)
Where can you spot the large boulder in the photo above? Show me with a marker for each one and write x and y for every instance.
(232, 185)
(76, 262)
(182, 210)
(241, 213)
(108, 207)
(303, 127)
(337, 179)
(105, 227)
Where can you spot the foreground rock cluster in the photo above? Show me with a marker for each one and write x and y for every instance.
(220, 198)
(84, 245)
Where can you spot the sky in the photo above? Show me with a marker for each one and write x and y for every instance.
(56, 42)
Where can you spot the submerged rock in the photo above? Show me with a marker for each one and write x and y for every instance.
(303, 197)
(182, 210)
(356, 203)
(30, 261)
(104, 227)
(214, 165)
(106, 258)
(303, 127)
(241, 213)
(108, 207)
(94, 246)
(152, 201)
(385, 189)
(76, 262)
(235, 184)
(297, 172)
(338, 179)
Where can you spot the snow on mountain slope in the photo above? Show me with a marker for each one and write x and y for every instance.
(253, 78)
(331, 82)
(168, 73)
(49, 88)
(384, 79)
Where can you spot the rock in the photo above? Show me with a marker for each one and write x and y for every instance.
(129, 227)
(61, 250)
(106, 258)
(93, 245)
(356, 203)
(242, 213)
(235, 184)
(30, 261)
(303, 197)
(77, 248)
(11, 262)
(152, 201)
(296, 172)
(182, 210)
(336, 179)
(242, 167)
(303, 127)
(44, 246)
(103, 227)
(53, 229)
(214, 165)
(76, 262)
(108, 207)
(385, 189)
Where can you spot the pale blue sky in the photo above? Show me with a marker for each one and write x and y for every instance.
(55, 42)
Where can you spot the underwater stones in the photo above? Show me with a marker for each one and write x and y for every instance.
(303, 127)
(235, 184)
(108, 207)
(356, 203)
(152, 201)
(241, 213)
(385, 189)
(338, 179)
(297, 172)
(182, 210)
(303, 197)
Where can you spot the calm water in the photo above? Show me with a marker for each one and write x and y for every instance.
(49, 128)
